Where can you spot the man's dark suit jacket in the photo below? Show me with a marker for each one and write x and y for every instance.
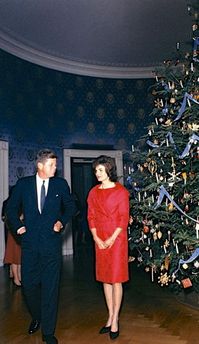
(59, 205)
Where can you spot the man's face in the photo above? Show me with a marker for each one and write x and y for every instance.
(47, 168)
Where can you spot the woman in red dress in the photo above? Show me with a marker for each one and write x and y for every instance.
(108, 215)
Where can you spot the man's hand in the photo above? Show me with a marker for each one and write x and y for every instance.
(58, 226)
(21, 230)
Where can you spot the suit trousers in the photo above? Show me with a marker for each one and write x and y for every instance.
(40, 281)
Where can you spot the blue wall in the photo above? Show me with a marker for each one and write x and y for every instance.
(41, 108)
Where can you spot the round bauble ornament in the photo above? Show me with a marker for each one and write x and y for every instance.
(170, 207)
(146, 229)
(185, 266)
(172, 100)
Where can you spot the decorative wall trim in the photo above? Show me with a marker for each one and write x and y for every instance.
(32, 55)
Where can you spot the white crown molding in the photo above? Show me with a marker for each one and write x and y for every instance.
(35, 56)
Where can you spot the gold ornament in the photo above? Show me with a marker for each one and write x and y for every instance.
(164, 279)
(170, 207)
(172, 100)
(184, 176)
(193, 126)
(166, 243)
(196, 94)
(185, 266)
(131, 259)
(158, 103)
(167, 123)
(167, 262)
(159, 234)
(152, 166)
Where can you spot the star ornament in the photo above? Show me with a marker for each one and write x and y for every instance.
(193, 126)
(174, 177)
(158, 103)
(164, 279)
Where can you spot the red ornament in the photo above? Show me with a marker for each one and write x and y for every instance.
(146, 229)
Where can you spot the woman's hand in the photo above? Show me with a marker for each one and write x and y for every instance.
(100, 243)
(109, 242)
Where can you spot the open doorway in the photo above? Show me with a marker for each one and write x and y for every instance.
(82, 180)
(79, 175)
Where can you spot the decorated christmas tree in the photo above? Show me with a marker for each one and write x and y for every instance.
(164, 178)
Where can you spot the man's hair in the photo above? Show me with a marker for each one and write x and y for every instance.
(45, 154)
(109, 164)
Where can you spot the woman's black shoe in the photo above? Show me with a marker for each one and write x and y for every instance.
(34, 326)
(114, 335)
(105, 329)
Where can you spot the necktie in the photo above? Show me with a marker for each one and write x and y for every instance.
(43, 195)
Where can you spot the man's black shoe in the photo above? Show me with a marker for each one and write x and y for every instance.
(49, 339)
(34, 326)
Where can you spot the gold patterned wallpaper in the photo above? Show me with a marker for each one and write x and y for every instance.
(40, 108)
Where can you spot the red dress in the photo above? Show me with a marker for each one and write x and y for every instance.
(12, 251)
(107, 210)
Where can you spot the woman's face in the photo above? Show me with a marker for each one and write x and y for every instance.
(101, 174)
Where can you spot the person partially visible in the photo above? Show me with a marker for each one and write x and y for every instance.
(108, 216)
(12, 258)
(47, 206)
(12, 255)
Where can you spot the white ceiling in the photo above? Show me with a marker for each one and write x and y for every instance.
(106, 38)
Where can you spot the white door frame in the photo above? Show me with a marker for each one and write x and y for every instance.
(4, 186)
(68, 154)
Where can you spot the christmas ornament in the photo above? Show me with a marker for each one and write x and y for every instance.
(166, 243)
(174, 177)
(155, 237)
(196, 264)
(167, 262)
(159, 234)
(152, 166)
(186, 283)
(185, 266)
(172, 100)
(167, 123)
(184, 176)
(131, 259)
(164, 279)
(193, 126)
(158, 103)
(146, 229)
(170, 207)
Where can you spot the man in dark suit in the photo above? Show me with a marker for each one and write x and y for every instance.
(47, 206)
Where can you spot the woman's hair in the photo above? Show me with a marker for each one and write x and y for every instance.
(45, 154)
(109, 164)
